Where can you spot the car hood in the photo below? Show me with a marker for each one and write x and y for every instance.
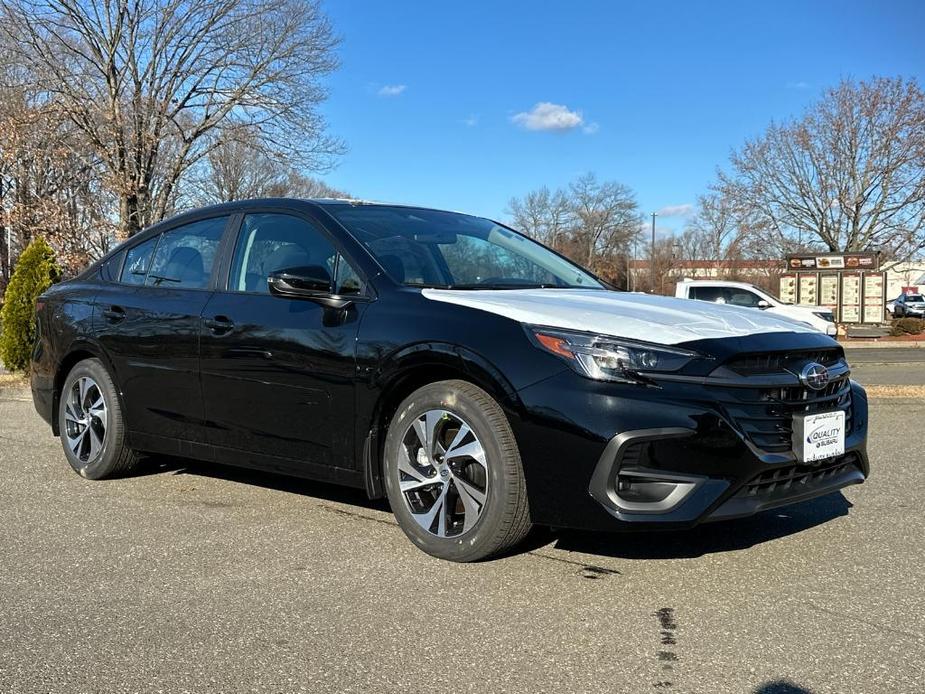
(658, 319)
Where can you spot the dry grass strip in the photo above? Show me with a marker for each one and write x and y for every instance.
(914, 392)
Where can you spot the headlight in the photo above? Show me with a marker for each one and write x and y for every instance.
(607, 358)
(825, 315)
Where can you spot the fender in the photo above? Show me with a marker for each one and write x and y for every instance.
(79, 346)
(475, 366)
(403, 372)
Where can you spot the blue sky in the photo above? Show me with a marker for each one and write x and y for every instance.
(437, 101)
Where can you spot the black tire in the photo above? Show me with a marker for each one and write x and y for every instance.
(112, 458)
(504, 518)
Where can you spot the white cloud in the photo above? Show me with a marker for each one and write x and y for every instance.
(548, 116)
(392, 89)
(798, 85)
(471, 120)
(590, 128)
(685, 210)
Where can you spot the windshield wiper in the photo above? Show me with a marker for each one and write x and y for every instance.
(160, 278)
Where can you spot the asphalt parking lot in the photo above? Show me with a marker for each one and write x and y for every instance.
(900, 366)
(190, 578)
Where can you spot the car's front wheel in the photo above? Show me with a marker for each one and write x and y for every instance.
(90, 423)
(453, 473)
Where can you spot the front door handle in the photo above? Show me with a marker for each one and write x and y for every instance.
(219, 325)
(114, 313)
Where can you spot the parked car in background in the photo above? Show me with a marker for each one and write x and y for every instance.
(909, 306)
(749, 296)
(891, 308)
(479, 380)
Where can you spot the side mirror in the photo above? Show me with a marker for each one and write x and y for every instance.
(312, 282)
(762, 304)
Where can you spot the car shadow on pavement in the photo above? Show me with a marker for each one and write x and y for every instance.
(160, 464)
(704, 539)
(709, 538)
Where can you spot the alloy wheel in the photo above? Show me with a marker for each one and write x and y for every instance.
(443, 473)
(85, 419)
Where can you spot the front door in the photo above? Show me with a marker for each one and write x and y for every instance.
(278, 373)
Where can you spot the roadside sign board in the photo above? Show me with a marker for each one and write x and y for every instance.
(833, 261)
(850, 285)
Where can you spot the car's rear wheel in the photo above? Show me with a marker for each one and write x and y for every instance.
(453, 473)
(91, 425)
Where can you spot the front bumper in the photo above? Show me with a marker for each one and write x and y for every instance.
(580, 440)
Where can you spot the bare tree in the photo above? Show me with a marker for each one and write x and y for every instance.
(47, 186)
(847, 176)
(543, 215)
(714, 232)
(606, 216)
(592, 222)
(239, 169)
(154, 85)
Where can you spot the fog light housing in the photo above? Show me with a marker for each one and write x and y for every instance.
(643, 492)
(643, 489)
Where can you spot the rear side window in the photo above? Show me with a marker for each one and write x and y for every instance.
(109, 270)
(714, 294)
(137, 261)
(185, 255)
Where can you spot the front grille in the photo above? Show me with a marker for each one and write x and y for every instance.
(778, 362)
(793, 479)
(764, 414)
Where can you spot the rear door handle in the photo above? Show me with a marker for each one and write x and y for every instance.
(219, 324)
(114, 313)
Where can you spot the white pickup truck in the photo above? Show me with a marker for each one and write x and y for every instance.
(750, 296)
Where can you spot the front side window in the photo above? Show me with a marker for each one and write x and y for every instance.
(185, 255)
(742, 297)
(430, 248)
(137, 260)
(271, 242)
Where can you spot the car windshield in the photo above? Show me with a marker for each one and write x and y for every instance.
(914, 299)
(448, 250)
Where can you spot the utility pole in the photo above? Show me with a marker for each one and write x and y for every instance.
(652, 254)
(632, 271)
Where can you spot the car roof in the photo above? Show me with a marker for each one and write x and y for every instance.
(724, 283)
(238, 205)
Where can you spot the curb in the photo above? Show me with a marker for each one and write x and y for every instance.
(897, 344)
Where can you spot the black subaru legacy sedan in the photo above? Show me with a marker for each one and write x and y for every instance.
(479, 380)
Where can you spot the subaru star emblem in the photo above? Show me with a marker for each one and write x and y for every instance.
(815, 376)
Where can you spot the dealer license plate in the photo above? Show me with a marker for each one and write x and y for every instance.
(818, 436)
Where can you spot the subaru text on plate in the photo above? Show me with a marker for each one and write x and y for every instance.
(480, 381)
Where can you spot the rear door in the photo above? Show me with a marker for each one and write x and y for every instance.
(148, 322)
(277, 372)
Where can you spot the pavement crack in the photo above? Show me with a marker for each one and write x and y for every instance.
(358, 516)
(590, 571)
(861, 620)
